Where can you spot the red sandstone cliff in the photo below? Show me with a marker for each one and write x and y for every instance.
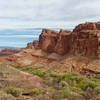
(83, 40)
(48, 40)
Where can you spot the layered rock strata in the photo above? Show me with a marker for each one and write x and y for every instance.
(83, 40)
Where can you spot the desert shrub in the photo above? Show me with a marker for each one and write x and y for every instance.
(38, 72)
(85, 83)
(67, 76)
(59, 94)
(53, 74)
(75, 96)
(64, 76)
(63, 85)
(36, 91)
(97, 90)
(88, 94)
(96, 80)
(1, 92)
(97, 76)
(77, 90)
(14, 91)
(4, 96)
(49, 81)
(42, 97)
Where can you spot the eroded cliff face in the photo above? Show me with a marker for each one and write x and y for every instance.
(85, 43)
(48, 40)
(86, 39)
(64, 42)
(87, 26)
(83, 40)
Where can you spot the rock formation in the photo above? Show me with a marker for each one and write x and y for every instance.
(64, 42)
(85, 43)
(48, 40)
(86, 39)
(33, 44)
(83, 40)
(87, 26)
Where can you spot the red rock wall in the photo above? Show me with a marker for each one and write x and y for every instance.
(86, 40)
(83, 40)
(48, 40)
(87, 26)
(64, 42)
(86, 46)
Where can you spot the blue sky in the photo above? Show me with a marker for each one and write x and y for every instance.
(47, 13)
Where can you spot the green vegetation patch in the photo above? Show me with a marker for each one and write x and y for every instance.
(36, 91)
(60, 86)
(16, 92)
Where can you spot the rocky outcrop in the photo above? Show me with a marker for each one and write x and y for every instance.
(48, 40)
(53, 41)
(30, 45)
(87, 26)
(85, 43)
(83, 40)
(64, 42)
(33, 44)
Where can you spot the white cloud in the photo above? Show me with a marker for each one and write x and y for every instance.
(47, 13)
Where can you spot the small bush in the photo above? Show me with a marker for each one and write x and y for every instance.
(59, 94)
(75, 96)
(85, 83)
(16, 92)
(88, 94)
(35, 91)
(4, 96)
(77, 90)
(42, 97)
(96, 90)
(64, 85)
(49, 81)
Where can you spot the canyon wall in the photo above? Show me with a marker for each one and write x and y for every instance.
(83, 40)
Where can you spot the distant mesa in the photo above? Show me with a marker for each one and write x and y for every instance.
(83, 40)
